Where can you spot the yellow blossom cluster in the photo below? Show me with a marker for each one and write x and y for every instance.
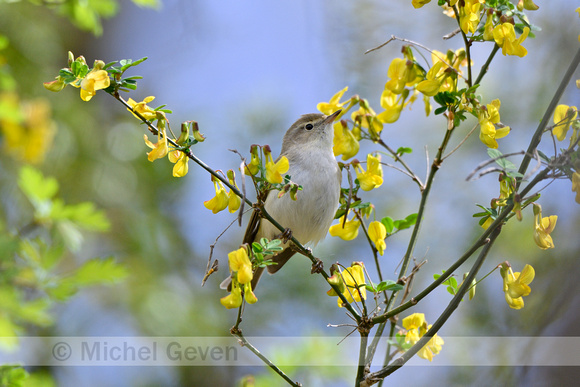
(488, 119)
(241, 275)
(566, 117)
(416, 326)
(543, 227)
(89, 84)
(373, 176)
(26, 126)
(345, 229)
(161, 148)
(273, 169)
(351, 282)
(516, 285)
(223, 199)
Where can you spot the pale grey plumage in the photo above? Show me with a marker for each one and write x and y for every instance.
(308, 147)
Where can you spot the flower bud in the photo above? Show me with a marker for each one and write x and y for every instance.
(98, 65)
(336, 280)
(184, 136)
(196, 133)
(56, 85)
(527, 4)
(294, 192)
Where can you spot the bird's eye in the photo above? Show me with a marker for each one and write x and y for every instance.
(309, 126)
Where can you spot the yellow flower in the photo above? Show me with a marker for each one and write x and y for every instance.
(27, 128)
(543, 227)
(234, 299)
(578, 81)
(254, 166)
(180, 160)
(234, 201)
(373, 176)
(393, 105)
(142, 108)
(354, 279)
(419, 3)
(160, 149)
(433, 346)
(348, 232)
(505, 190)
(241, 265)
(469, 15)
(430, 86)
(56, 85)
(527, 4)
(488, 221)
(95, 80)
(344, 141)
(414, 321)
(249, 294)
(416, 327)
(505, 37)
(487, 118)
(564, 115)
(274, 170)
(378, 233)
(403, 73)
(367, 118)
(576, 185)
(488, 28)
(515, 285)
(334, 104)
(220, 201)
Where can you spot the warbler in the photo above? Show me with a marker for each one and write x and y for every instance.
(308, 147)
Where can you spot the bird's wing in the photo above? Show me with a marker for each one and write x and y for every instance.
(252, 227)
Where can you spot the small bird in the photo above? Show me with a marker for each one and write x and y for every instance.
(308, 147)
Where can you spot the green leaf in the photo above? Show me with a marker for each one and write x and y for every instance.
(36, 312)
(147, 3)
(389, 285)
(62, 290)
(406, 223)
(99, 271)
(389, 224)
(84, 215)
(35, 186)
(12, 376)
(403, 150)
(370, 288)
(257, 247)
(499, 160)
(8, 336)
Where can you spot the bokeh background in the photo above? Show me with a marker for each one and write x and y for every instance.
(245, 71)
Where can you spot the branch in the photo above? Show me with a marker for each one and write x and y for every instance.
(549, 112)
(245, 343)
(453, 304)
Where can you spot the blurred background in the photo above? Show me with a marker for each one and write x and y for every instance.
(245, 71)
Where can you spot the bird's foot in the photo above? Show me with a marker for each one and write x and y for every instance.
(317, 267)
(285, 236)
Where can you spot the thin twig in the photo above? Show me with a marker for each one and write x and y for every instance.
(245, 343)
(548, 114)
(393, 37)
(487, 162)
(461, 143)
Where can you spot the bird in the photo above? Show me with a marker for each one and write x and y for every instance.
(307, 145)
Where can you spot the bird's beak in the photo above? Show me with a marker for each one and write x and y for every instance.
(331, 117)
